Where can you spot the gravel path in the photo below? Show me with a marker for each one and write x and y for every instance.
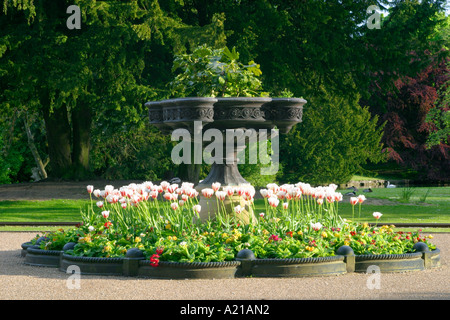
(19, 281)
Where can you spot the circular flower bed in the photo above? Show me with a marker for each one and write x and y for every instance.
(161, 222)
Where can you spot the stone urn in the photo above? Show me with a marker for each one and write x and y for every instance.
(263, 117)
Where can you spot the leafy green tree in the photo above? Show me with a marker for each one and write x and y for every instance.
(98, 75)
(336, 138)
(439, 116)
(22, 146)
(10, 163)
(68, 75)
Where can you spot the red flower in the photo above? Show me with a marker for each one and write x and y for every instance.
(159, 251)
(108, 224)
(289, 233)
(352, 233)
(154, 260)
(274, 237)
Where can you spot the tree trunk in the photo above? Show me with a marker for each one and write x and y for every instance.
(81, 134)
(194, 173)
(59, 141)
(189, 172)
(37, 158)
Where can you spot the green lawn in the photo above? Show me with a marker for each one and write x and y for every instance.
(42, 211)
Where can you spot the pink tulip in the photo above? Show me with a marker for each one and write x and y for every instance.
(281, 195)
(216, 186)
(168, 196)
(316, 226)
(330, 197)
(171, 188)
(105, 214)
(197, 208)
(109, 189)
(139, 189)
(154, 194)
(229, 190)
(135, 199)
(164, 185)
(249, 192)
(361, 198)
(148, 184)
(221, 195)
(320, 194)
(238, 209)
(90, 189)
(295, 192)
(207, 192)
(377, 215)
(112, 198)
(192, 193)
(273, 201)
(264, 193)
(97, 192)
(333, 186)
(187, 185)
(353, 200)
(124, 205)
(100, 204)
(247, 197)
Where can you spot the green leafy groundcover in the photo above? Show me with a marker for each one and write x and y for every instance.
(299, 222)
